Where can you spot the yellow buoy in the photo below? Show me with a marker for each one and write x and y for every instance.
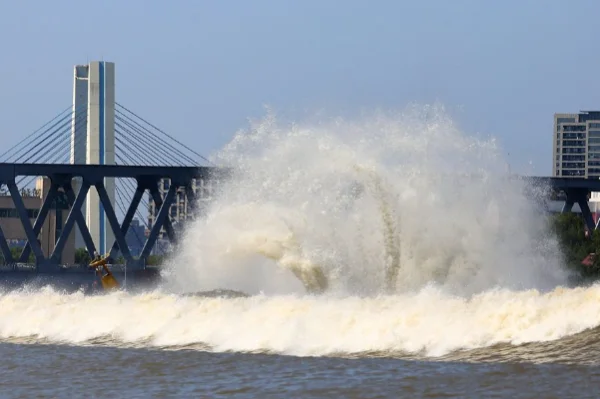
(108, 280)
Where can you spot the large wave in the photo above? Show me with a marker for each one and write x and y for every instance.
(430, 323)
(384, 203)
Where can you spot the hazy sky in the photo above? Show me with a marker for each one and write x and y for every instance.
(200, 69)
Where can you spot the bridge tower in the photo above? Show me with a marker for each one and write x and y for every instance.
(94, 143)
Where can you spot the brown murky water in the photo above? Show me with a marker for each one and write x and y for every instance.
(33, 370)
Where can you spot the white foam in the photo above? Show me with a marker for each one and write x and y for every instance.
(429, 322)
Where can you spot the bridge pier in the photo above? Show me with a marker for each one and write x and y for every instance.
(576, 190)
(580, 196)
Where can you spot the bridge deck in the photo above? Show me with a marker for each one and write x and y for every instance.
(11, 170)
(563, 183)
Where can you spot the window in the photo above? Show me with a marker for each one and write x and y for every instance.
(573, 143)
(575, 128)
(573, 173)
(574, 157)
(573, 165)
(573, 150)
(594, 125)
(13, 213)
(565, 120)
(577, 136)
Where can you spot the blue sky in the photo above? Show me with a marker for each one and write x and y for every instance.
(200, 69)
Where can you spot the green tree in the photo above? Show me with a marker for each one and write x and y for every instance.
(570, 230)
(154, 260)
(82, 257)
(16, 253)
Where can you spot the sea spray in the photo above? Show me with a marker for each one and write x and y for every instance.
(344, 196)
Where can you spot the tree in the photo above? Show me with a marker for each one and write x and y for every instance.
(570, 230)
(82, 257)
(16, 253)
(154, 260)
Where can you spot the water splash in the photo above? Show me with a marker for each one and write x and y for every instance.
(390, 229)
(383, 203)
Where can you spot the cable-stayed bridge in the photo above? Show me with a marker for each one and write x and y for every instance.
(102, 165)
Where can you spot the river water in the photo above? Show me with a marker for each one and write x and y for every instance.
(385, 256)
(52, 371)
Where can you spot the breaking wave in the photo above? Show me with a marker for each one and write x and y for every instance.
(429, 323)
(410, 232)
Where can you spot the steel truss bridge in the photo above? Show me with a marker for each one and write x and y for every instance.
(61, 177)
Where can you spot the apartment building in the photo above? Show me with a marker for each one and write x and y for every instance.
(576, 145)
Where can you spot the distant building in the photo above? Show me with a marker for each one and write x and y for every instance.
(135, 237)
(161, 247)
(576, 151)
(180, 212)
(576, 144)
(33, 199)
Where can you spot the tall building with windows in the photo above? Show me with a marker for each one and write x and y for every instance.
(576, 145)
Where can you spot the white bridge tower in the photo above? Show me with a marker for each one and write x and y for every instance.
(94, 142)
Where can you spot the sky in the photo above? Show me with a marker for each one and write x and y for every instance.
(201, 69)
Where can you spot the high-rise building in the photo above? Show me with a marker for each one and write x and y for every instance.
(576, 143)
